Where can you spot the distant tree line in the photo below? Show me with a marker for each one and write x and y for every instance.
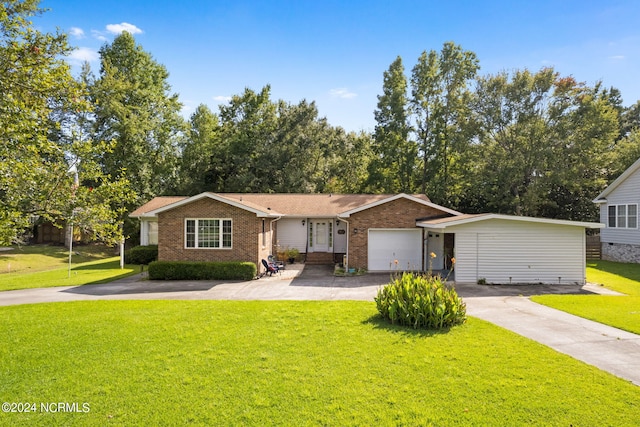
(520, 142)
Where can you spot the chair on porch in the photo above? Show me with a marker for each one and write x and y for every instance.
(270, 268)
(273, 261)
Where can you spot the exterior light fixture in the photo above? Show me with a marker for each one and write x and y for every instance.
(303, 222)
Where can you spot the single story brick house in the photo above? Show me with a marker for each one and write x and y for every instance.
(377, 232)
(372, 230)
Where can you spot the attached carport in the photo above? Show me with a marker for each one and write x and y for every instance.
(506, 249)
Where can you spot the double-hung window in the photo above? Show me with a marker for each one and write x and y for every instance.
(623, 216)
(208, 233)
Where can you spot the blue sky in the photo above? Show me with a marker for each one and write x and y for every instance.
(335, 52)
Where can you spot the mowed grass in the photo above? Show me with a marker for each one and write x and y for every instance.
(33, 258)
(289, 363)
(622, 312)
(43, 266)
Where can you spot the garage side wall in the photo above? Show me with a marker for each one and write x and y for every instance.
(503, 252)
(399, 213)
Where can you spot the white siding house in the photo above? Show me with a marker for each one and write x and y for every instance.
(292, 233)
(618, 203)
(504, 249)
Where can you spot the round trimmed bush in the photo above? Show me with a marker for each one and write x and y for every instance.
(141, 254)
(421, 302)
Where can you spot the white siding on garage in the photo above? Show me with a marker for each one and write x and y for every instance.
(292, 234)
(466, 247)
(388, 245)
(507, 251)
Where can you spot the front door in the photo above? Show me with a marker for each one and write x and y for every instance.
(319, 235)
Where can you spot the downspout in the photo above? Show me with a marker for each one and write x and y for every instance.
(306, 239)
(346, 264)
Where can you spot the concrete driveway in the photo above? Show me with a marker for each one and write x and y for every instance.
(610, 349)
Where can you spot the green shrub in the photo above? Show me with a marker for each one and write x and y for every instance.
(421, 302)
(141, 254)
(189, 270)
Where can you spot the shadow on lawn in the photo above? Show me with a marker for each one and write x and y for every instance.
(629, 271)
(379, 322)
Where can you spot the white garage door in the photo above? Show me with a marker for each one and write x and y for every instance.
(386, 246)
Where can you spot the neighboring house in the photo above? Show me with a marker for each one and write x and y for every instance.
(620, 237)
(374, 232)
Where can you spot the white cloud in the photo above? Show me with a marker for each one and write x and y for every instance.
(617, 57)
(77, 32)
(343, 93)
(124, 26)
(83, 54)
(99, 35)
(221, 98)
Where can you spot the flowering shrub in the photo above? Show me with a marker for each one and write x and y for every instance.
(421, 302)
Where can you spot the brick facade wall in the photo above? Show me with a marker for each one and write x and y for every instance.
(246, 233)
(400, 213)
(247, 230)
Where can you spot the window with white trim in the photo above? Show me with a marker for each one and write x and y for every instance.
(623, 216)
(212, 233)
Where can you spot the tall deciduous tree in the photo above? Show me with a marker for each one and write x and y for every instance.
(247, 125)
(393, 167)
(134, 108)
(201, 144)
(266, 146)
(441, 99)
(38, 148)
(545, 141)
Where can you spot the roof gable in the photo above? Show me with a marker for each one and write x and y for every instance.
(350, 212)
(623, 177)
(259, 211)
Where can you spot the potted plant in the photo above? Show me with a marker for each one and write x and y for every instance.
(292, 254)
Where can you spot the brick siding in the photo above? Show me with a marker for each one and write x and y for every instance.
(246, 233)
(247, 230)
(400, 213)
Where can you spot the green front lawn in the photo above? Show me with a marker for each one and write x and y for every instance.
(33, 258)
(44, 266)
(619, 311)
(288, 363)
(88, 273)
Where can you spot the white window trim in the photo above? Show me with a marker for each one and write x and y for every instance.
(626, 215)
(196, 233)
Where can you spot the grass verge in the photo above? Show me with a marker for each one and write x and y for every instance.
(33, 258)
(285, 362)
(622, 312)
(101, 271)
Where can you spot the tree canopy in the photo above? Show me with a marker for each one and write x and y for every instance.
(40, 147)
(521, 142)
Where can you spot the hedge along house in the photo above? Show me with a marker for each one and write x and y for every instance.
(375, 232)
(505, 249)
